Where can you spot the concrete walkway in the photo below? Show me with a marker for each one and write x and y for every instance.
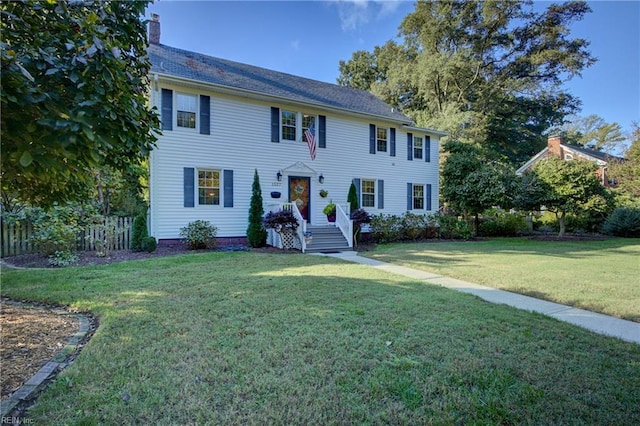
(598, 323)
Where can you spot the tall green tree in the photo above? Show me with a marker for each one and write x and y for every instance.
(487, 72)
(569, 187)
(74, 82)
(627, 172)
(592, 132)
(472, 183)
(256, 234)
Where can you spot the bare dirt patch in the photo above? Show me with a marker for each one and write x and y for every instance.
(30, 337)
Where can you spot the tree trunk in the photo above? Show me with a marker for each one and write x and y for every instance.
(561, 223)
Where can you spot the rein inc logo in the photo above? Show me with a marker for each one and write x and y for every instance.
(17, 421)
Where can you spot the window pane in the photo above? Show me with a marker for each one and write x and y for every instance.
(417, 147)
(368, 193)
(209, 187)
(307, 121)
(368, 200)
(187, 119)
(381, 139)
(186, 107)
(418, 197)
(289, 125)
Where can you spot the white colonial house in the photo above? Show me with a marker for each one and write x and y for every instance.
(222, 120)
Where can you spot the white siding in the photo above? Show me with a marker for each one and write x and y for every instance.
(240, 140)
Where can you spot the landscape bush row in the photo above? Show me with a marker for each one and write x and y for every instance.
(386, 228)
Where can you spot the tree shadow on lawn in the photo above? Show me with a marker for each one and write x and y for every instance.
(243, 337)
(568, 249)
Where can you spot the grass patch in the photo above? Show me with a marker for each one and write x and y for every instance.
(254, 338)
(600, 276)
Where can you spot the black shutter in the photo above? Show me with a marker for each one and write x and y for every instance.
(372, 138)
(322, 131)
(429, 196)
(427, 149)
(409, 196)
(275, 124)
(393, 142)
(410, 146)
(356, 182)
(205, 115)
(228, 188)
(381, 194)
(167, 109)
(189, 190)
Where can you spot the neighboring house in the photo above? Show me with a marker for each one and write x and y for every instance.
(555, 148)
(221, 120)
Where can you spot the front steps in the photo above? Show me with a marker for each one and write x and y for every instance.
(326, 239)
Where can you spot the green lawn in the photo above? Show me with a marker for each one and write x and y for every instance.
(254, 338)
(601, 276)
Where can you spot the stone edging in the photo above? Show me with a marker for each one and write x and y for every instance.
(29, 390)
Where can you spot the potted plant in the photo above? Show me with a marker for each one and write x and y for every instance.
(359, 218)
(324, 193)
(330, 211)
(284, 222)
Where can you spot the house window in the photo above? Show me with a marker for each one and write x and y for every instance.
(187, 107)
(418, 147)
(289, 125)
(368, 193)
(209, 187)
(307, 121)
(568, 157)
(418, 197)
(381, 139)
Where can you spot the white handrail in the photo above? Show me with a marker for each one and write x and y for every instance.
(302, 224)
(345, 224)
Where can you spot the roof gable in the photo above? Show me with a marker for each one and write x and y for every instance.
(221, 72)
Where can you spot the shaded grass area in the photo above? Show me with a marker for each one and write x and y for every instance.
(252, 338)
(601, 276)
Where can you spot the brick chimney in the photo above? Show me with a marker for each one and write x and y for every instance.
(154, 29)
(553, 143)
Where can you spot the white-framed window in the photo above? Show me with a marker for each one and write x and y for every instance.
(289, 124)
(209, 187)
(568, 157)
(368, 192)
(294, 124)
(307, 121)
(186, 110)
(418, 147)
(418, 197)
(382, 138)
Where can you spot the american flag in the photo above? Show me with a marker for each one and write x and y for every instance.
(311, 139)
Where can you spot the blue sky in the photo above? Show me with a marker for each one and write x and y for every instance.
(309, 38)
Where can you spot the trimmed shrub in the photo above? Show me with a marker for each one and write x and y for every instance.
(386, 228)
(256, 234)
(352, 197)
(452, 228)
(623, 222)
(413, 226)
(199, 234)
(139, 232)
(149, 244)
(503, 224)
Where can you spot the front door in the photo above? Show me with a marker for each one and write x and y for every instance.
(299, 192)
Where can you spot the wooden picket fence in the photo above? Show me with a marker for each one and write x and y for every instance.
(15, 238)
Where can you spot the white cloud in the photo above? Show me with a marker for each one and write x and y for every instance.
(295, 45)
(356, 13)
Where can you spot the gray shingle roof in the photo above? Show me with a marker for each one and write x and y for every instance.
(195, 66)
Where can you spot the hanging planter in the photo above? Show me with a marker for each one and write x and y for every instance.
(324, 193)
